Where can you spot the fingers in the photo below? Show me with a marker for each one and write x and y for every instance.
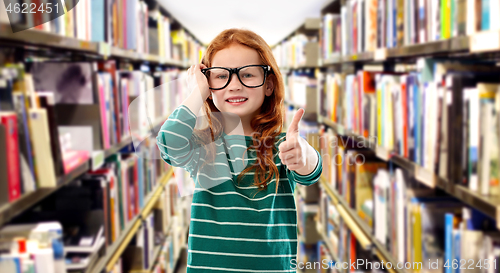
(287, 145)
(294, 167)
(291, 159)
(294, 125)
(289, 156)
(196, 67)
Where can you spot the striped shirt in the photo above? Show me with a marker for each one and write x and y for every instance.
(234, 227)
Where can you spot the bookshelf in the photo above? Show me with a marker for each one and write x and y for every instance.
(157, 251)
(27, 201)
(456, 45)
(361, 230)
(42, 44)
(34, 38)
(327, 242)
(114, 252)
(489, 205)
(397, 57)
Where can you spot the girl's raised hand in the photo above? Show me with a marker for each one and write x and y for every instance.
(197, 81)
(295, 152)
(292, 151)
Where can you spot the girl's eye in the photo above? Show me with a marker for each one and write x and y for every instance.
(222, 77)
(247, 75)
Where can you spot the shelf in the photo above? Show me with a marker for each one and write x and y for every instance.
(46, 39)
(364, 56)
(450, 46)
(38, 38)
(487, 204)
(288, 68)
(157, 251)
(132, 55)
(156, 255)
(325, 239)
(11, 210)
(340, 130)
(357, 225)
(114, 251)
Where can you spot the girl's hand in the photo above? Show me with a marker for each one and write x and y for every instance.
(197, 82)
(295, 152)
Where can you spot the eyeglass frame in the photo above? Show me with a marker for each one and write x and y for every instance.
(267, 70)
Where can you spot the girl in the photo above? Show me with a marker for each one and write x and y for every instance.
(243, 215)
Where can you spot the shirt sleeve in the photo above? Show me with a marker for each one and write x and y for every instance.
(176, 142)
(309, 179)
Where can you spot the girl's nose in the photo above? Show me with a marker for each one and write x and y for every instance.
(234, 83)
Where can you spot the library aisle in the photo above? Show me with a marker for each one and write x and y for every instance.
(401, 100)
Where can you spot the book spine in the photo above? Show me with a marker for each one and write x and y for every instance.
(485, 15)
(44, 163)
(448, 242)
(456, 248)
(445, 19)
(494, 15)
(421, 22)
(9, 121)
(97, 20)
(103, 102)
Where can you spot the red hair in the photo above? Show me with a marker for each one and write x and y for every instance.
(268, 124)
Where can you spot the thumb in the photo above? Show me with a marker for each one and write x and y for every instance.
(293, 129)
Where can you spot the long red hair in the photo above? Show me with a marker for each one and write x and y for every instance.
(267, 125)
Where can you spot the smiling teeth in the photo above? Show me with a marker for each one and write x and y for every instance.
(238, 100)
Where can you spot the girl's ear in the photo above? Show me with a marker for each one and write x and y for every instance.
(269, 86)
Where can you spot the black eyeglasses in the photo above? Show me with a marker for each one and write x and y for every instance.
(251, 76)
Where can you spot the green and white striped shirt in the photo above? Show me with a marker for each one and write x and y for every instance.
(234, 228)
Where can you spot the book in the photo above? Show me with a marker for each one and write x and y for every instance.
(44, 163)
(25, 146)
(4, 167)
(11, 148)
(47, 102)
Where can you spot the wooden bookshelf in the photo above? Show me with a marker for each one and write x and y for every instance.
(30, 199)
(450, 46)
(132, 55)
(361, 230)
(114, 251)
(10, 210)
(34, 38)
(157, 251)
(324, 237)
(487, 204)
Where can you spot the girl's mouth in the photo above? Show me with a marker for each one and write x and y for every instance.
(236, 101)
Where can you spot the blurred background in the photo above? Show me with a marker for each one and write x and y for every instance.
(401, 99)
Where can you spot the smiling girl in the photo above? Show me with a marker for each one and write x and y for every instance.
(243, 215)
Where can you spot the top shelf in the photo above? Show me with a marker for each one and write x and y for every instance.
(450, 46)
(39, 38)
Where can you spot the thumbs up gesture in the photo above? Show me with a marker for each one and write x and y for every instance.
(295, 152)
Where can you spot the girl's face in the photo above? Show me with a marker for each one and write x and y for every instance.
(234, 56)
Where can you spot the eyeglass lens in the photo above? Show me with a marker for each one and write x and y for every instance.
(251, 76)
